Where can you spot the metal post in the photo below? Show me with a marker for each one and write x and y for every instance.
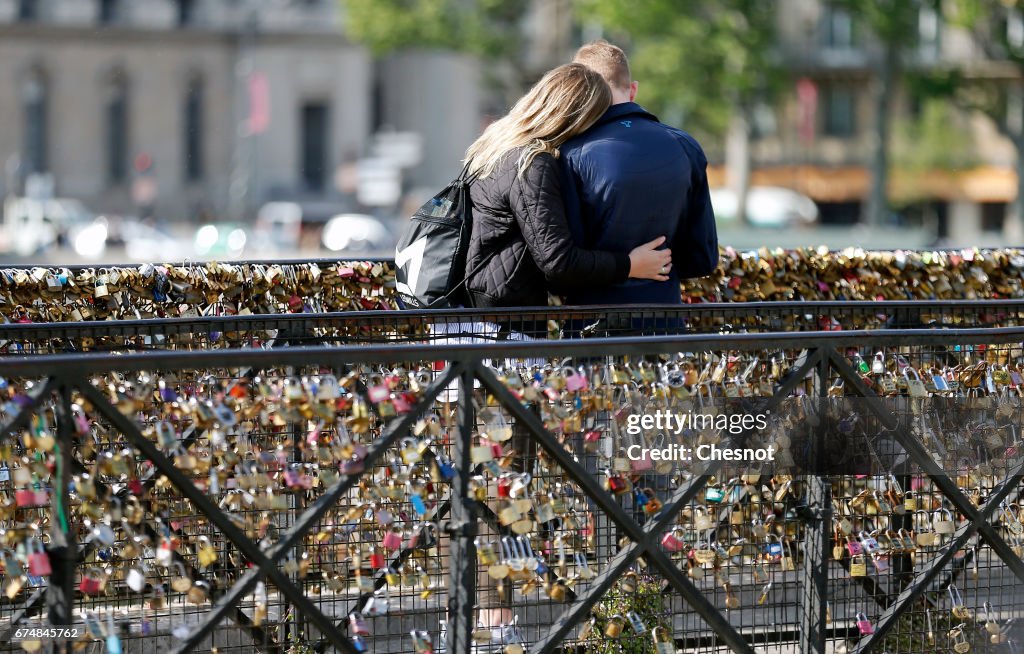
(463, 527)
(819, 501)
(63, 550)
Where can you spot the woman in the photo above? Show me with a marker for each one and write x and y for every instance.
(521, 245)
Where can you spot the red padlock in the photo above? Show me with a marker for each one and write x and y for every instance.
(92, 583)
(377, 561)
(673, 541)
(504, 485)
(402, 403)
(25, 498)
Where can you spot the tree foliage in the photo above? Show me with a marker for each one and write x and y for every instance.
(490, 29)
(696, 60)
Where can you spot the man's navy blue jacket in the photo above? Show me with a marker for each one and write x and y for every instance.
(628, 180)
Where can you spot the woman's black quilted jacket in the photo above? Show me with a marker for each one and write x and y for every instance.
(521, 241)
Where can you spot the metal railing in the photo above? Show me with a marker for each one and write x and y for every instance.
(818, 365)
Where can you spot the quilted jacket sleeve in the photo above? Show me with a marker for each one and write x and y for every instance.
(536, 201)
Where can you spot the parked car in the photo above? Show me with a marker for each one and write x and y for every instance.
(767, 206)
(148, 243)
(223, 241)
(33, 225)
(354, 232)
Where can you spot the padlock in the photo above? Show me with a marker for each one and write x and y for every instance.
(713, 494)
(870, 544)
(613, 628)
(673, 541)
(135, 577)
(392, 539)
(944, 524)
(858, 566)
(93, 581)
(960, 643)
(558, 590)
(199, 592)
(616, 484)
(38, 559)
(864, 626)
(422, 643)
(357, 625)
(663, 641)
(378, 604)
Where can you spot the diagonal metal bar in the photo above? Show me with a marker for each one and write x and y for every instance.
(244, 585)
(20, 421)
(921, 456)
(923, 579)
(207, 507)
(639, 536)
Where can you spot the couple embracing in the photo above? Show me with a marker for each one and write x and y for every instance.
(580, 192)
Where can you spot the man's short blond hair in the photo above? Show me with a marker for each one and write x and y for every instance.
(608, 60)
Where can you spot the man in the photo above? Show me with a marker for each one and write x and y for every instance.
(630, 179)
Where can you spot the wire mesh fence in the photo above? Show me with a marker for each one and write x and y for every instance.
(513, 495)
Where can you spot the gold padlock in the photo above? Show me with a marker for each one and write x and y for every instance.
(858, 566)
(613, 629)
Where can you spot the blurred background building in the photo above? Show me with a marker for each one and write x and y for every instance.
(817, 115)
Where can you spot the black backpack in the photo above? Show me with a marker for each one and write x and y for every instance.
(430, 258)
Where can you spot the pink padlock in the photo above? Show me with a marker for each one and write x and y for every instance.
(38, 560)
(357, 625)
(393, 539)
(864, 625)
(378, 393)
(673, 541)
(574, 381)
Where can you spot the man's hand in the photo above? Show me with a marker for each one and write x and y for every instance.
(648, 262)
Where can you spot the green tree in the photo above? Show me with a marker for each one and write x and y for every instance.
(894, 24)
(489, 29)
(704, 64)
(997, 90)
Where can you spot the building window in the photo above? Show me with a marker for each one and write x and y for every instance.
(193, 137)
(34, 101)
(993, 216)
(28, 10)
(116, 128)
(838, 29)
(314, 145)
(107, 12)
(839, 112)
(186, 12)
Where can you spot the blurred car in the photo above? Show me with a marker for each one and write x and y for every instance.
(33, 225)
(278, 229)
(220, 241)
(355, 232)
(148, 243)
(767, 206)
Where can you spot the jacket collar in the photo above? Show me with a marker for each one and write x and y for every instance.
(619, 111)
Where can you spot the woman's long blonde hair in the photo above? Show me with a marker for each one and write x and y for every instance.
(564, 103)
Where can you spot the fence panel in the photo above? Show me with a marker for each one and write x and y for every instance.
(303, 497)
